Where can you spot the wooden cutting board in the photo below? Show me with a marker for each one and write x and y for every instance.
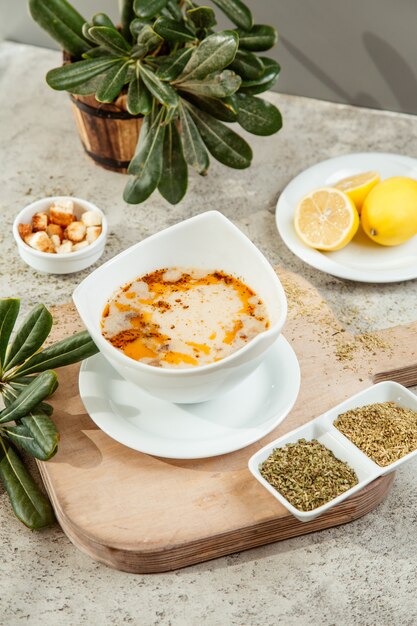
(143, 514)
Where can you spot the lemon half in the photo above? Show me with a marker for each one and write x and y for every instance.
(357, 187)
(326, 219)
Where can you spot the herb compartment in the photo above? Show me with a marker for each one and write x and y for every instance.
(322, 429)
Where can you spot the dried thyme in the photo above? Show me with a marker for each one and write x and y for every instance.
(385, 432)
(307, 474)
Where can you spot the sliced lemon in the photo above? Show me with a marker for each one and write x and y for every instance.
(358, 186)
(326, 219)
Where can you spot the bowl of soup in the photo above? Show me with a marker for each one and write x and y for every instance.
(187, 313)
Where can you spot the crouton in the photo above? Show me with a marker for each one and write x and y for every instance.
(79, 246)
(75, 232)
(62, 214)
(24, 230)
(65, 247)
(40, 241)
(56, 241)
(54, 229)
(40, 221)
(91, 218)
(65, 204)
(93, 232)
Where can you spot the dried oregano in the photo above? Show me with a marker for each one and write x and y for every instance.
(385, 432)
(307, 474)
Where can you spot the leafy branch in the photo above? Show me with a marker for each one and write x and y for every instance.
(26, 381)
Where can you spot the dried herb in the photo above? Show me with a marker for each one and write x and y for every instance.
(385, 432)
(307, 474)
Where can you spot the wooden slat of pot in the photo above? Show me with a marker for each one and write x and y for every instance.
(109, 135)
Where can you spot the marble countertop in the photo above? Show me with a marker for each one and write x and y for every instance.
(362, 573)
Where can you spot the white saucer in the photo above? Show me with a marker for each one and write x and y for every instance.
(362, 259)
(191, 431)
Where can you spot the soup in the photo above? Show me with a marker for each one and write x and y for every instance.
(180, 317)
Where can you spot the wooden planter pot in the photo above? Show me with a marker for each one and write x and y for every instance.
(108, 133)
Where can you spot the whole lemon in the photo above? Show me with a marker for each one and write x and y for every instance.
(389, 213)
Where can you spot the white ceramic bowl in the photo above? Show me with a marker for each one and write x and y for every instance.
(208, 241)
(59, 263)
(322, 429)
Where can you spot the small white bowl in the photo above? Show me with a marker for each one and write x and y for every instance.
(322, 429)
(59, 263)
(208, 241)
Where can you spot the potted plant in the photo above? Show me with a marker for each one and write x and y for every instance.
(166, 73)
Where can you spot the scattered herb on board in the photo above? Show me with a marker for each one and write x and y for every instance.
(385, 432)
(307, 474)
(26, 381)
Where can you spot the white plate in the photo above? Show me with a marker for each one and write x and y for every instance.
(232, 421)
(362, 259)
(322, 429)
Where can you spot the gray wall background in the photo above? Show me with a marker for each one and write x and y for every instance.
(361, 52)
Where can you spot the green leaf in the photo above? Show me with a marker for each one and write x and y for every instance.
(174, 177)
(9, 310)
(8, 395)
(202, 17)
(65, 352)
(170, 115)
(258, 116)
(213, 54)
(39, 389)
(149, 38)
(267, 79)
(136, 26)
(174, 31)
(86, 27)
(163, 92)
(36, 434)
(20, 381)
(111, 39)
(174, 10)
(90, 86)
(29, 504)
(20, 435)
(148, 8)
(97, 53)
(44, 407)
(133, 102)
(140, 99)
(101, 19)
(127, 15)
(15, 387)
(73, 74)
(237, 12)
(146, 164)
(224, 109)
(43, 431)
(60, 20)
(224, 144)
(138, 51)
(174, 64)
(112, 83)
(29, 337)
(259, 37)
(247, 65)
(217, 85)
(195, 152)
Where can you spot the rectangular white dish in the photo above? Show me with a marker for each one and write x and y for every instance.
(322, 429)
